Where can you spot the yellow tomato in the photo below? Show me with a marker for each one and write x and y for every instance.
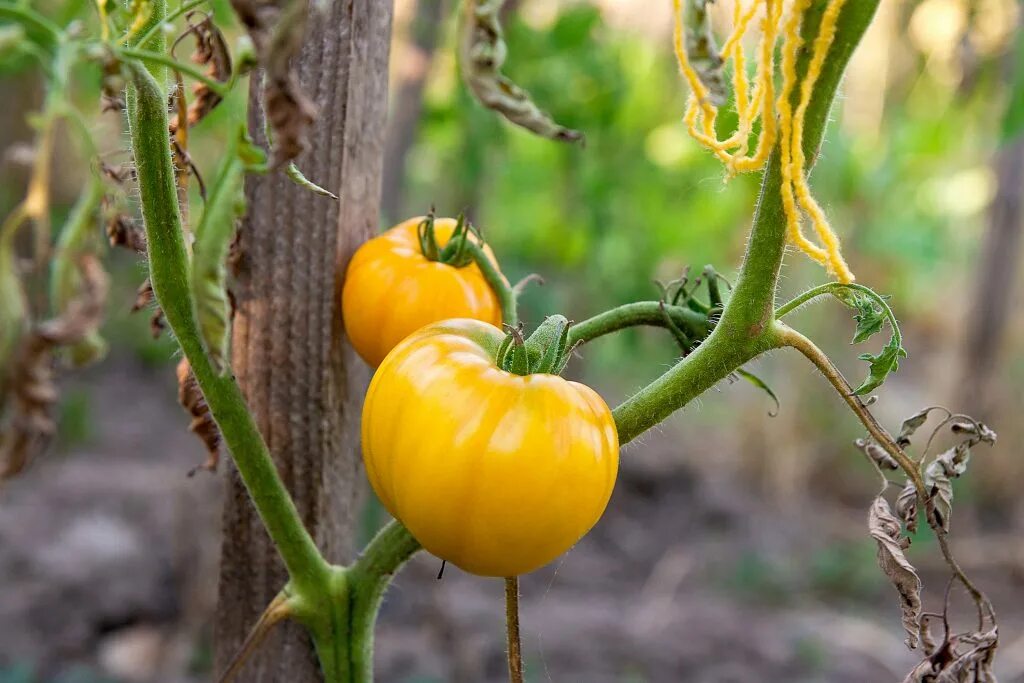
(391, 290)
(494, 472)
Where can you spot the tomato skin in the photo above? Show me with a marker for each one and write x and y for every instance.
(496, 473)
(391, 290)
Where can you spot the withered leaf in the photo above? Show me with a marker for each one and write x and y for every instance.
(912, 424)
(482, 53)
(885, 529)
(190, 396)
(974, 665)
(277, 31)
(906, 507)
(979, 430)
(878, 454)
(211, 51)
(946, 466)
(33, 389)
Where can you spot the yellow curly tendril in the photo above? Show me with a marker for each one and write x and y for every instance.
(780, 121)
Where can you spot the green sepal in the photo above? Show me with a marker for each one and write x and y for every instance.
(428, 239)
(456, 253)
(547, 344)
(518, 358)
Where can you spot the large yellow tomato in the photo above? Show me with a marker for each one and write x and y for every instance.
(494, 472)
(391, 289)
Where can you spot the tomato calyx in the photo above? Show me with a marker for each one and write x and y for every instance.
(456, 252)
(546, 351)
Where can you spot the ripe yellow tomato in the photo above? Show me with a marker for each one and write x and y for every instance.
(494, 472)
(391, 290)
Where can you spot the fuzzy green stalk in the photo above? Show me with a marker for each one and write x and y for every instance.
(745, 330)
(169, 274)
(638, 313)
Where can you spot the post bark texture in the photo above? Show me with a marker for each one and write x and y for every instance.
(301, 379)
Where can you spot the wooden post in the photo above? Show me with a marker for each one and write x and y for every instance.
(301, 379)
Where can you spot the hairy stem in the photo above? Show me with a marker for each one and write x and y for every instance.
(638, 313)
(506, 295)
(515, 647)
(369, 578)
(745, 329)
(169, 274)
(792, 338)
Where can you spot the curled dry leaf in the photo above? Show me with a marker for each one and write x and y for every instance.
(32, 385)
(144, 297)
(276, 29)
(122, 231)
(946, 466)
(885, 529)
(482, 53)
(877, 454)
(965, 658)
(212, 52)
(190, 396)
(906, 507)
(913, 423)
(978, 430)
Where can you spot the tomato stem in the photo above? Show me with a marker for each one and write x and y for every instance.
(746, 328)
(499, 285)
(515, 648)
(170, 276)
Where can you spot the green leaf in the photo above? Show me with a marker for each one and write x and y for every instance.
(881, 365)
(869, 317)
(225, 203)
(762, 385)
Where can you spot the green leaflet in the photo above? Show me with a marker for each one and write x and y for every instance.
(65, 278)
(882, 364)
(225, 203)
(872, 312)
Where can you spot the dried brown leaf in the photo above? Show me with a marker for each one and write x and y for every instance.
(975, 664)
(122, 231)
(979, 430)
(877, 454)
(276, 29)
(913, 423)
(906, 506)
(211, 51)
(482, 52)
(946, 466)
(33, 389)
(885, 529)
(191, 398)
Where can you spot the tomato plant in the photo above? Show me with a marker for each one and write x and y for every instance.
(481, 451)
(421, 271)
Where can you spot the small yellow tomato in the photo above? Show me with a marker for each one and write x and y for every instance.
(494, 472)
(391, 289)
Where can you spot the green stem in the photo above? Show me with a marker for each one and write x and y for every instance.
(745, 329)
(500, 286)
(368, 579)
(832, 288)
(169, 274)
(164, 60)
(634, 314)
